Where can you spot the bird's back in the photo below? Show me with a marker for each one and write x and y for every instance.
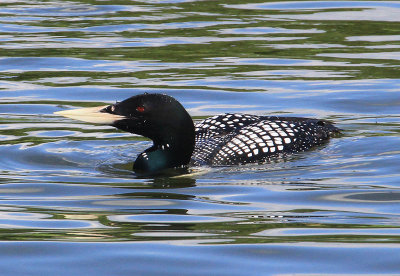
(232, 139)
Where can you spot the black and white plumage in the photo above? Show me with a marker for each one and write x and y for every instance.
(221, 140)
(233, 139)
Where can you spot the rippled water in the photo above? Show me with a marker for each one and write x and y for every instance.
(69, 203)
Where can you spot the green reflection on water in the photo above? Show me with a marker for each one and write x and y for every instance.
(170, 41)
(162, 49)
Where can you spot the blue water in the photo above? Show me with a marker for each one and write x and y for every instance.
(69, 202)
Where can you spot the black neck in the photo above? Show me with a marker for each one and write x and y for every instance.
(173, 147)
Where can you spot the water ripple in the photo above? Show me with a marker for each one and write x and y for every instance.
(68, 181)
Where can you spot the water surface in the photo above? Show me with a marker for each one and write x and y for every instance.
(68, 197)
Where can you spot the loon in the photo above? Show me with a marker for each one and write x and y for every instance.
(222, 140)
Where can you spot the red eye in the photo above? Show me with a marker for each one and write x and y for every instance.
(140, 109)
